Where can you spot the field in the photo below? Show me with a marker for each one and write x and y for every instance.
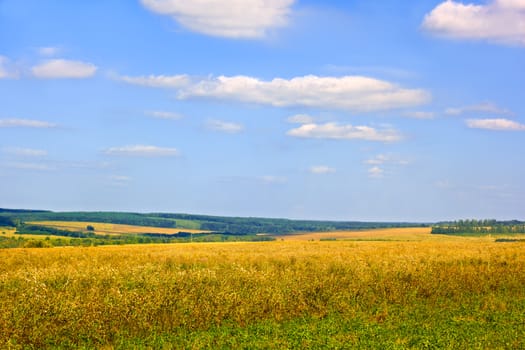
(402, 234)
(110, 229)
(452, 294)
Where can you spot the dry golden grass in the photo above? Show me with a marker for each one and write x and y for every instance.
(105, 296)
(111, 229)
(383, 234)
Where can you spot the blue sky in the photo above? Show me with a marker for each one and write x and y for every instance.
(346, 110)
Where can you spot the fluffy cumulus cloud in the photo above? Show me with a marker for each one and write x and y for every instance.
(501, 21)
(322, 169)
(223, 126)
(357, 93)
(236, 19)
(478, 108)
(142, 151)
(25, 123)
(158, 81)
(63, 69)
(345, 132)
(498, 124)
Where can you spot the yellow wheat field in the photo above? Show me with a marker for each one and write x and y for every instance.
(102, 296)
(111, 229)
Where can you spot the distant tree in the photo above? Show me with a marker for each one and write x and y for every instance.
(90, 228)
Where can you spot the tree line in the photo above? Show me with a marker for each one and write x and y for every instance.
(474, 226)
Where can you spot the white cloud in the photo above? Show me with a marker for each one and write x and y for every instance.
(322, 169)
(377, 160)
(25, 123)
(158, 81)
(348, 132)
(164, 115)
(234, 19)
(356, 93)
(481, 108)
(63, 69)
(498, 124)
(381, 159)
(501, 21)
(25, 152)
(301, 119)
(222, 126)
(142, 151)
(419, 115)
(375, 172)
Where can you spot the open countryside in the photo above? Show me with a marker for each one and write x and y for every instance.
(262, 174)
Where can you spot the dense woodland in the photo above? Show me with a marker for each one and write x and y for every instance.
(219, 224)
(479, 227)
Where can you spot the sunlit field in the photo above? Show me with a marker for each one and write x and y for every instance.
(111, 229)
(383, 234)
(293, 294)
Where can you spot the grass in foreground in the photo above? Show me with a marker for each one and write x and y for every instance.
(456, 295)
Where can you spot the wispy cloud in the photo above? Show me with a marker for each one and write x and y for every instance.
(63, 69)
(119, 180)
(30, 166)
(7, 70)
(158, 81)
(419, 115)
(164, 115)
(273, 180)
(344, 132)
(376, 172)
(246, 19)
(498, 124)
(24, 152)
(386, 159)
(223, 126)
(499, 21)
(380, 162)
(142, 151)
(301, 119)
(480, 108)
(322, 169)
(48, 51)
(25, 123)
(355, 93)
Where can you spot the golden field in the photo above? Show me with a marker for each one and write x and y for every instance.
(111, 229)
(382, 234)
(283, 294)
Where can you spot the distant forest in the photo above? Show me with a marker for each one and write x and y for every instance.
(217, 224)
(479, 227)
